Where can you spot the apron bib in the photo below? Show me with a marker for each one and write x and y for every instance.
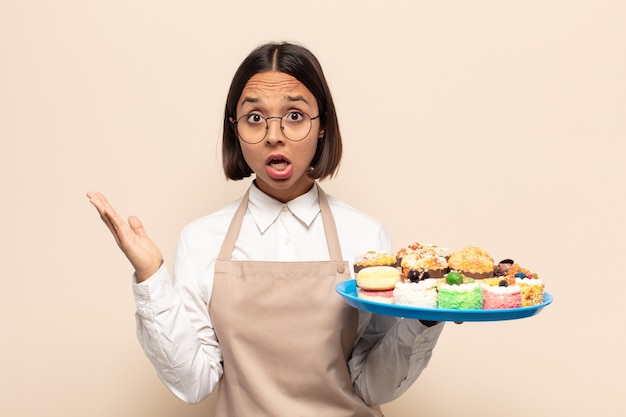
(284, 333)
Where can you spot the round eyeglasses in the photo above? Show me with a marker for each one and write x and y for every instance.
(252, 128)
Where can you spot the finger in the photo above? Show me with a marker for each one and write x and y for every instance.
(137, 226)
(100, 202)
(107, 212)
(109, 216)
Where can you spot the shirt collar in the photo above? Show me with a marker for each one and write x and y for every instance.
(265, 209)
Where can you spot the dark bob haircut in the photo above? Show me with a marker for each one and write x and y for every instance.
(301, 64)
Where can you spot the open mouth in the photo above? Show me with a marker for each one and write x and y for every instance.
(278, 166)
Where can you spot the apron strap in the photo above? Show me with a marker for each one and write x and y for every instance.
(330, 229)
(232, 234)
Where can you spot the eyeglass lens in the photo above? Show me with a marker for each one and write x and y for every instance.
(253, 127)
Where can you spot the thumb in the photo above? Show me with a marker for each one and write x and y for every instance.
(136, 225)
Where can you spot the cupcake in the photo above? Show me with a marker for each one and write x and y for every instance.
(416, 294)
(531, 287)
(472, 262)
(374, 258)
(500, 296)
(438, 250)
(414, 247)
(423, 265)
(459, 293)
(531, 290)
(503, 267)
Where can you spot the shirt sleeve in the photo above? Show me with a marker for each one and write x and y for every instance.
(390, 355)
(175, 330)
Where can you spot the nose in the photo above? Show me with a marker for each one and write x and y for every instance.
(274, 130)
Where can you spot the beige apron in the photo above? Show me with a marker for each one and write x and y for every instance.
(285, 334)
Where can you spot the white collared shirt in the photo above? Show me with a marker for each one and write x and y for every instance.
(175, 329)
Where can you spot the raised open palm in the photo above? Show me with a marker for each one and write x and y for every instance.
(131, 237)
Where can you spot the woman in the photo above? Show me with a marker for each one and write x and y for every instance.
(250, 301)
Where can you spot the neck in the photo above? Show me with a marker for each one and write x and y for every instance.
(285, 195)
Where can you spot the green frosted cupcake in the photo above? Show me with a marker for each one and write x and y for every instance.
(467, 296)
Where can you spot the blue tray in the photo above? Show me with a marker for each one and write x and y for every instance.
(347, 289)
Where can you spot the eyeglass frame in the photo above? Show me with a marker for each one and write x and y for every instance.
(235, 122)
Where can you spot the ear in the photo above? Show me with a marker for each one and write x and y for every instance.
(321, 134)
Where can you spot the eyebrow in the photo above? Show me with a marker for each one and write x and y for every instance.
(248, 99)
(297, 98)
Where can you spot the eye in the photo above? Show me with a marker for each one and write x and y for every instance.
(294, 117)
(254, 118)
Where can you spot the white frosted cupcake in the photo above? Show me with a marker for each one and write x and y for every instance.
(416, 294)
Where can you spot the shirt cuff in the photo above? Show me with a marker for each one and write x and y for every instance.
(155, 294)
(422, 338)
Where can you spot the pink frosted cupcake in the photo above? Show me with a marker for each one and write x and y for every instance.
(501, 296)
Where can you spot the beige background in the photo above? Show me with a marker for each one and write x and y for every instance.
(493, 123)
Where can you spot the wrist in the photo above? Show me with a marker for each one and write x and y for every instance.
(143, 274)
